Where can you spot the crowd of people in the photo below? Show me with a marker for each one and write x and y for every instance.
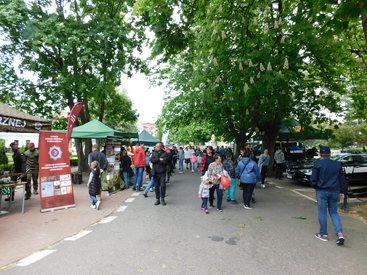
(244, 171)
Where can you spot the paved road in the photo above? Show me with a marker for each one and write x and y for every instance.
(275, 237)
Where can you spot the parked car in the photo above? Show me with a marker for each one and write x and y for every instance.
(355, 167)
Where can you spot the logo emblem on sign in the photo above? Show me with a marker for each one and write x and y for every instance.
(55, 152)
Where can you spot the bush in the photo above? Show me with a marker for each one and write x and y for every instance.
(73, 162)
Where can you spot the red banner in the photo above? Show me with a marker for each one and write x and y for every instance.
(56, 187)
(73, 118)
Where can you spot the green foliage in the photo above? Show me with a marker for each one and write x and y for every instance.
(3, 157)
(248, 65)
(75, 51)
(348, 135)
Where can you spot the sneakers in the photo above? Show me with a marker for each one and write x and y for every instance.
(228, 200)
(98, 204)
(253, 200)
(263, 186)
(323, 238)
(247, 207)
(157, 202)
(92, 206)
(206, 211)
(340, 240)
(163, 202)
(145, 195)
(35, 192)
(220, 210)
(211, 206)
(8, 199)
(180, 172)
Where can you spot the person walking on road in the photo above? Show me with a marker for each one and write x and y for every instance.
(230, 168)
(193, 160)
(181, 159)
(139, 163)
(31, 156)
(215, 172)
(279, 162)
(204, 193)
(248, 173)
(94, 185)
(206, 160)
(329, 181)
(159, 160)
(125, 168)
(263, 166)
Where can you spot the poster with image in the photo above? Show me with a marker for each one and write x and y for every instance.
(54, 172)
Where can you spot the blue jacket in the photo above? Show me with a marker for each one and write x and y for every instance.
(248, 171)
(328, 174)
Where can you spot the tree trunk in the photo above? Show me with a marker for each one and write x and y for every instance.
(269, 139)
(364, 25)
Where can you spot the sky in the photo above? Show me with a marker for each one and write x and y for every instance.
(147, 99)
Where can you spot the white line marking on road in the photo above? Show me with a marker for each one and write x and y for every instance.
(108, 219)
(302, 189)
(130, 200)
(35, 257)
(302, 195)
(135, 194)
(121, 208)
(78, 236)
(280, 187)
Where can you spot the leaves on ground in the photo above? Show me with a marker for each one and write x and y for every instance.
(259, 218)
(242, 225)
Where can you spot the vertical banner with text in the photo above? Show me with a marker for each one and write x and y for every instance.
(56, 187)
(73, 118)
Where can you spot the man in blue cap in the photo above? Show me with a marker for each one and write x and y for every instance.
(328, 179)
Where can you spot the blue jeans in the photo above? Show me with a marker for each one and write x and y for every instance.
(125, 176)
(204, 203)
(150, 185)
(138, 179)
(327, 200)
(180, 164)
(94, 199)
(231, 192)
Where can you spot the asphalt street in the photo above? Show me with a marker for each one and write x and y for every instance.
(276, 237)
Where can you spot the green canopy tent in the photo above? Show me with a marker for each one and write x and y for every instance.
(96, 129)
(292, 130)
(147, 138)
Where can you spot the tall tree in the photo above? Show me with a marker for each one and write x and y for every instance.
(75, 51)
(246, 65)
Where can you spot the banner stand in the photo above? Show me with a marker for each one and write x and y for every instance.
(56, 186)
(57, 208)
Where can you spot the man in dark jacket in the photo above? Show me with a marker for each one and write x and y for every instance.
(98, 156)
(328, 179)
(19, 169)
(159, 160)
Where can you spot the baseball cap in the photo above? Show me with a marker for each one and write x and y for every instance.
(324, 150)
(13, 143)
(30, 145)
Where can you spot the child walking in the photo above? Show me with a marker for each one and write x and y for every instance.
(193, 162)
(204, 192)
(94, 184)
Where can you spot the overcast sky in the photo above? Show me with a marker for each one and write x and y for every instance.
(147, 100)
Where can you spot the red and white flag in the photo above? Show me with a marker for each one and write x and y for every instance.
(73, 118)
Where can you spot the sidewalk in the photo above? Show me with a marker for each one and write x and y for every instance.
(23, 234)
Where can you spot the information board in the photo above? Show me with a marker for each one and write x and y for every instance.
(56, 187)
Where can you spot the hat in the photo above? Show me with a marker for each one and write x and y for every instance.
(30, 145)
(13, 143)
(168, 149)
(324, 150)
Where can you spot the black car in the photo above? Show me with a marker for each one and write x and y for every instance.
(355, 167)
